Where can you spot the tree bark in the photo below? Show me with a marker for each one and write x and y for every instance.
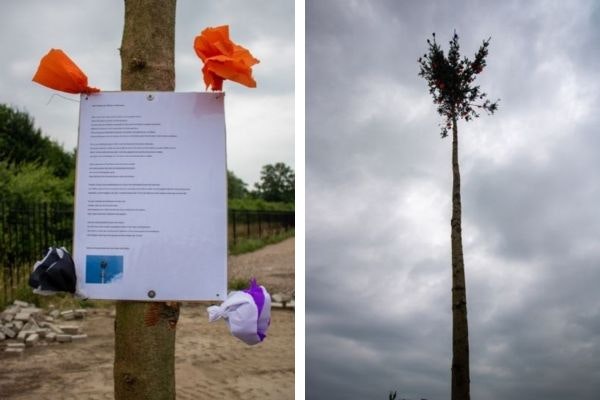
(148, 46)
(145, 332)
(460, 328)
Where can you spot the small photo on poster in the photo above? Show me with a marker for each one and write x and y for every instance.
(103, 269)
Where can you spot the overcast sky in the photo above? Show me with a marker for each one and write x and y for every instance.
(378, 202)
(260, 122)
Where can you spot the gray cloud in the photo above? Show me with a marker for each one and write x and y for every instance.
(378, 202)
(90, 32)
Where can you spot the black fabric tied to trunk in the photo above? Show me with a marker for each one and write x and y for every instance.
(54, 273)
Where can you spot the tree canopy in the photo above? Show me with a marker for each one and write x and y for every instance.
(276, 183)
(450, 80)
(21, 142)
(236, 187)
(33, 168)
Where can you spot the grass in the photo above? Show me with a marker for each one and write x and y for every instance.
(250, 245)
(238, 284)
(259, 205)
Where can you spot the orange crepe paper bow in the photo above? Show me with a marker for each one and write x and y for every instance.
(223, 59)
(58, 71)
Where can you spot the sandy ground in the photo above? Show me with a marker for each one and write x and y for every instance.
(273, 266)
(210, 363)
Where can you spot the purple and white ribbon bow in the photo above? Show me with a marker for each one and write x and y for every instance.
(247, 312)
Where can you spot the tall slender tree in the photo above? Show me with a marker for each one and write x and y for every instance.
(145, 332)
(450, 80)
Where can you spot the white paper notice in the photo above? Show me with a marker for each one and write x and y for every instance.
(151, 197)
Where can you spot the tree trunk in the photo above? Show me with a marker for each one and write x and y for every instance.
(460, 328)
(145, 332)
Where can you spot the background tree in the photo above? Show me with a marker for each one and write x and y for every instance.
(31, 183)
(450, 81)
(236, 187)
(21, 142)
(33, 168)
(145, 352)
(276, 183)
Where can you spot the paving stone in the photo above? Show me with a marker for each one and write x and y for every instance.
(70, 329)
(68, 315)
(8, 317)
(79, 337)
(24, 334)
(14, 351)
(53, 327)
(42, 332)
(22, 316)
(32, 339)
(63, 338)
(281, 298)
(9, 332)
(25, 325)
(13, 310)
(20, 303)
(30, 325)
(276, 298)
(32, 310)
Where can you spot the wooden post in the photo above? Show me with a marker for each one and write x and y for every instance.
(145, 332)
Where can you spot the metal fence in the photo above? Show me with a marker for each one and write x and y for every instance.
(27, 230)
(244, 224)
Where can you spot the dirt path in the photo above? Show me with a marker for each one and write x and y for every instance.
(273, 266)
(210, 363)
